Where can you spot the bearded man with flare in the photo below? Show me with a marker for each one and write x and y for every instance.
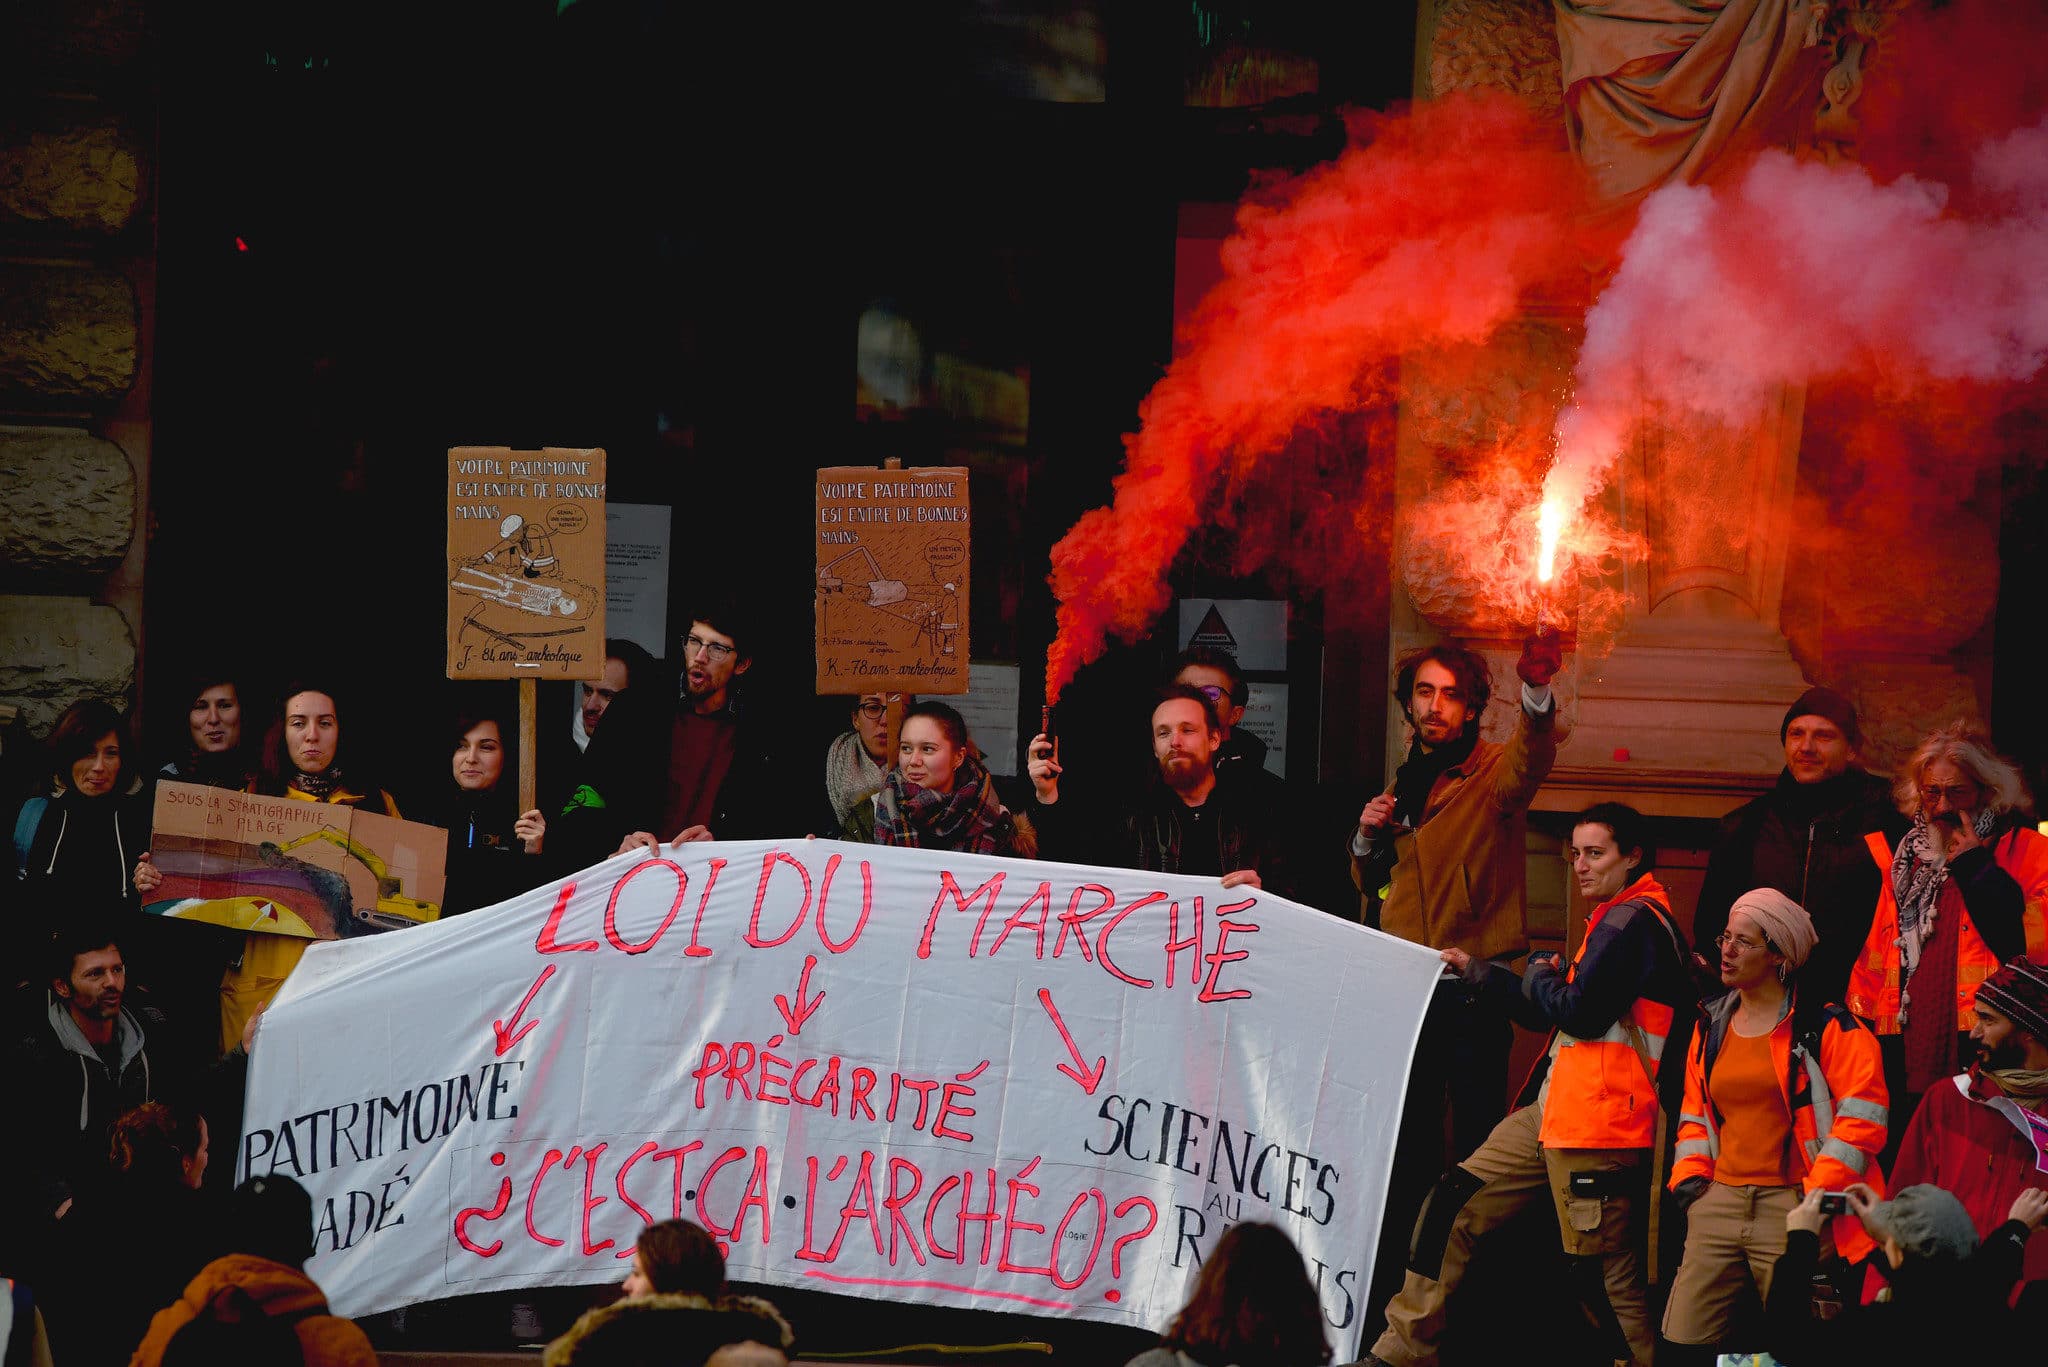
(1440, 857)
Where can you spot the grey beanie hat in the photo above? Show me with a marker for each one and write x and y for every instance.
(1928, 1221)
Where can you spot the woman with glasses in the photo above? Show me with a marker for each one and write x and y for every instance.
(939, 796)
(858, 758)
(1965, 890)
(1782, 1098)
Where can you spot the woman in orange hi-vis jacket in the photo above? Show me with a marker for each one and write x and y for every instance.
(1782, 1097)
(1586, 1128)
(1965, 891)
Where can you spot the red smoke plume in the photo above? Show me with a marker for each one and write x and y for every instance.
(1431, 228)
(1799, 272)
(1906, 294)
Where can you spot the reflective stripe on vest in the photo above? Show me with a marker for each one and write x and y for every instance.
(1602, 1106)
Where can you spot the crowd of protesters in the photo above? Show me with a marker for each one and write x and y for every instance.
(1832, 1096)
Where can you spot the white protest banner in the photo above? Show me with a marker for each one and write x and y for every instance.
(904, 1074)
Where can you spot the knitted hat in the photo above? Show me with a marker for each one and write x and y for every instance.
(1823, 702)
(1928, 1221)
(2019, 990)
(1783, 921)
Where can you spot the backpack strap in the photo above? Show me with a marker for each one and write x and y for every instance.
(25, 825)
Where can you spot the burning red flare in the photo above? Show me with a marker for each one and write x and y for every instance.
(1394, 246)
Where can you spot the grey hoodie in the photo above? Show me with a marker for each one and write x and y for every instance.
(127, 1035)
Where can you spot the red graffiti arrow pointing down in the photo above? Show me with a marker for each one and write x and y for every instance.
(803, 1010)
(507, 1037)
(1089, 1078)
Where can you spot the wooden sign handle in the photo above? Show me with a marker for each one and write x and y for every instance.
(529, 744)
(892, 704)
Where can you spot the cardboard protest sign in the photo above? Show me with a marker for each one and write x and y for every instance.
(896, 1073)
(273, 864)
(526, 536)
(892, 580)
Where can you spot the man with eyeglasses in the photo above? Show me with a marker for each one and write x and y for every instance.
(1805, 838)
(671, 768)
(1214, 674)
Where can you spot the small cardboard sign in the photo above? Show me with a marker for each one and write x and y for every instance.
(892, 580)
(526, 574)
(315, 870)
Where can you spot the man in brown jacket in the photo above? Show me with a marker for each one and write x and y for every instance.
(1439, 858)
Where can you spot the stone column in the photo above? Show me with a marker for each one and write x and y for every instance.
(76, 286)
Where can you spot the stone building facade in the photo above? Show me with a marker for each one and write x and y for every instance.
(77, 268)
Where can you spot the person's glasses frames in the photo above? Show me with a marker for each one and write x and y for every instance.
(717, 650)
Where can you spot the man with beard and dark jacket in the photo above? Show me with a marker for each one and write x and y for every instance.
(1805, 837)
(92, 1059)
(1192, 818)
(690, 764)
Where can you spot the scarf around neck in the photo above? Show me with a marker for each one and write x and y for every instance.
(850, 774)
(1918, 872)
(1417, 776)
(1413, 783)
(970, 818)
(318, 786)
(2027, 1086)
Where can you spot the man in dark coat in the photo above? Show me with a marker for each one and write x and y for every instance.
(1192, 817)
(1805, 837)
(686, 764)
(93, 1058)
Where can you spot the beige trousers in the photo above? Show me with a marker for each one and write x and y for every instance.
(1734, 1236)
(1514, 1169)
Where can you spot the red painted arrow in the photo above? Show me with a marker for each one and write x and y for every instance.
(1089, 1078)
(507, 1037)
(803, 1009)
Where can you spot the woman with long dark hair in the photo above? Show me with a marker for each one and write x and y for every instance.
(493, 847)
(302, 761)
(214, 749)
(1253, 1306)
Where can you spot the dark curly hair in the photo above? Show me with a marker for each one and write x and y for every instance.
(1468, 667)
(153, 1140)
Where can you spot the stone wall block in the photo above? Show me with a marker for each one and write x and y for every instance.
(70, 505)
(68, 335)
(54, 651)
(1506, 45)
(86, 179)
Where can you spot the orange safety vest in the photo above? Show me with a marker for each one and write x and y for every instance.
(1834, 1090)
(1874, 980)
(1596, 1094)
